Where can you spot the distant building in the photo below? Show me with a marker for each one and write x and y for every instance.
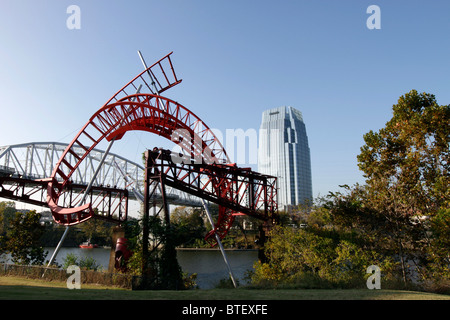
(284, 153)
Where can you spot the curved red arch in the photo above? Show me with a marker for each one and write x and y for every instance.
(146, 112)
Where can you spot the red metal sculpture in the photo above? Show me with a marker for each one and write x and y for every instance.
(122, 254)
(236, 190)
(127, 111)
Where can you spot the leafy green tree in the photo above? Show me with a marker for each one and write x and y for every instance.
(406, 165)
(23, 239)
(96, 230)
(7, 211)
(400, 218)
(304, 258)
(411, 153)
(438, 256)
(188, 225)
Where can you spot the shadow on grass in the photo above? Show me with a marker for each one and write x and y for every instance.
(21, 292)
(16, 288)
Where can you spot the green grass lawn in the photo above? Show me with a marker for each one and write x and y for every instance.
(16, 288)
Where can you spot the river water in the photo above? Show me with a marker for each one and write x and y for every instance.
(208, 264)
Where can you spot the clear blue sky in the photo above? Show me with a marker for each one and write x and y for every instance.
(236, 59)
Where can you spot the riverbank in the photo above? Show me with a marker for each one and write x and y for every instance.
(207, 263)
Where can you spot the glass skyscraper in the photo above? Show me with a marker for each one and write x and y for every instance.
(284, 153)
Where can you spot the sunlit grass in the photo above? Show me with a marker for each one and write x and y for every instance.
(17, 288)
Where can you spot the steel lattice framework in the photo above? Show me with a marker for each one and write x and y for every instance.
(207, 173)
(236, 190)
(24, 167)
(125, 112)
(36, 160)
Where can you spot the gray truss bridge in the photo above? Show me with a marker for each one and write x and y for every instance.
(24, 169)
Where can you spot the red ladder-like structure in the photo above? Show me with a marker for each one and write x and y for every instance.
(236, 190)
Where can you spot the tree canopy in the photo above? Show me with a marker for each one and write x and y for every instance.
(410, 155)
(23, 239)
(399, 219)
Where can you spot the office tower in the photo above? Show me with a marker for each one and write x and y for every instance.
(284, 153)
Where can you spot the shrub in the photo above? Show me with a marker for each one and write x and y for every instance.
(301, 259)
(85, 263)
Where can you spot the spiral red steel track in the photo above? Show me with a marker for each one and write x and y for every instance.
(153, 113)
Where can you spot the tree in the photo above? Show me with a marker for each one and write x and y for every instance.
(438, 250)
(400, 216)
(23, 239)
(189, 225)
(412, 153)
(97, 231)
(7, 211)
(354, 219)
(303, 258)
(406, 166)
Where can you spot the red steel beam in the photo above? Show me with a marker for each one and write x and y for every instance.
(236, 190)
(111, 203)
